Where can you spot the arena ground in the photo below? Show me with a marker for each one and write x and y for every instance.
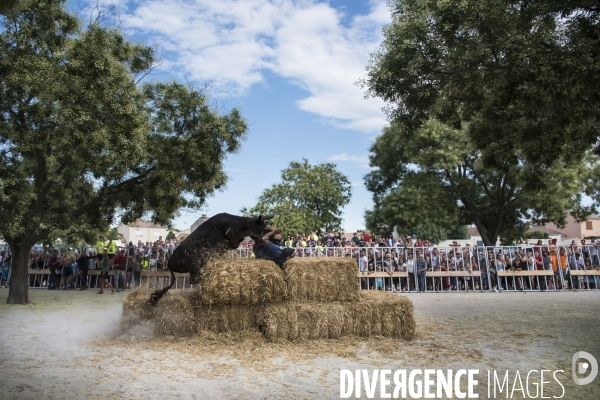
(68, 345)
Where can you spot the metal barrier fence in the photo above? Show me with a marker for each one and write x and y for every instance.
(148, 269)
(493, 268)
(402, 269)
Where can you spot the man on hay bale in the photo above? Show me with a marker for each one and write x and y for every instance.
(214, 237)
(268, 247)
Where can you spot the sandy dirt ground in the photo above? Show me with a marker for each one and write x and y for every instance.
(68, 344)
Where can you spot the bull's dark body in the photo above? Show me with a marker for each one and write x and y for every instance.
(217, 235)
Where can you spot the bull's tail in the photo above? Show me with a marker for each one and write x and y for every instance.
(156, 296)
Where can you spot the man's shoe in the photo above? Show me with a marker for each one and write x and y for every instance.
(100, 292)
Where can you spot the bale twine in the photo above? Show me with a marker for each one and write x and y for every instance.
(375, 314)
(321, 279)
(233, 281)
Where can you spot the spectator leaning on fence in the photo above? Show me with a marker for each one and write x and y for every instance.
(152, 263)
(145, 264)
(594, 253)
(390, 266)
(5, 266)
(84, 265)
(410, 268)
(136, 268)
(120, 264)
(421, 272)
(53, 263)
(68, 274)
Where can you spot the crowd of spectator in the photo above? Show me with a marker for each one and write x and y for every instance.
(407, 253)
(381, 256)
(126, 262)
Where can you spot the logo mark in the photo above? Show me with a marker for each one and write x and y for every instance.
(580, 367)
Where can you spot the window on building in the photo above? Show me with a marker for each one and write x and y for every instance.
(588, 225)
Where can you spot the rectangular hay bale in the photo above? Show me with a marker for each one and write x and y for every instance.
(301, 321)
(225, 319)
(375, 314)
(245, 281)
(381, 314)
(181, 313)
(326, 279)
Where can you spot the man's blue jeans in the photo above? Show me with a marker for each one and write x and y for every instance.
(421, 279)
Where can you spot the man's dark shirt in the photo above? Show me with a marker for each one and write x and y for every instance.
(83, 262)
(120, 262)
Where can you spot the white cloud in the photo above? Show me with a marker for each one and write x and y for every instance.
(307, 42)
(362, 161)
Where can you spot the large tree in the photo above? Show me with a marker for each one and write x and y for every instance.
(309, 198)
(81, 141)
(435, 175)
(510, 74)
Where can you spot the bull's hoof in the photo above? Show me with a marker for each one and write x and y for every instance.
(156, 296)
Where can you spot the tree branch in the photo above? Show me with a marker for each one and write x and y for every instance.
(109, 190)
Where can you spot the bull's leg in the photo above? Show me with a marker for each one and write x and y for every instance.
(195, 269)
(195, 275)
(156, 296)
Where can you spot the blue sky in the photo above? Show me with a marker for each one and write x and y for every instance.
(291, 67)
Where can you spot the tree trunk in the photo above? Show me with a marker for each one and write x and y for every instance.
(487, 241)
(19, 279)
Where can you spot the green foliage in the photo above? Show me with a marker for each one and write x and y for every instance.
(494, 111)
(426, 230)
(536, 235)
(435, 176)
(170, 235)
(309, 198)
(81, 141)
(9, 6)
(112, 234)
(514, 76)
(459, 233)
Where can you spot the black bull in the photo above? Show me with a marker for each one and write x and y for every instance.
(215, 236)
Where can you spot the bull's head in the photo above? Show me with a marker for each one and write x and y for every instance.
(253, 227)
(260, 220)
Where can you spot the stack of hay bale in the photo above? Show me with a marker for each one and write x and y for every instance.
(312, 298)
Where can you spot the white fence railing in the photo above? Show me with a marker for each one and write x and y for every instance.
(403, 269)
